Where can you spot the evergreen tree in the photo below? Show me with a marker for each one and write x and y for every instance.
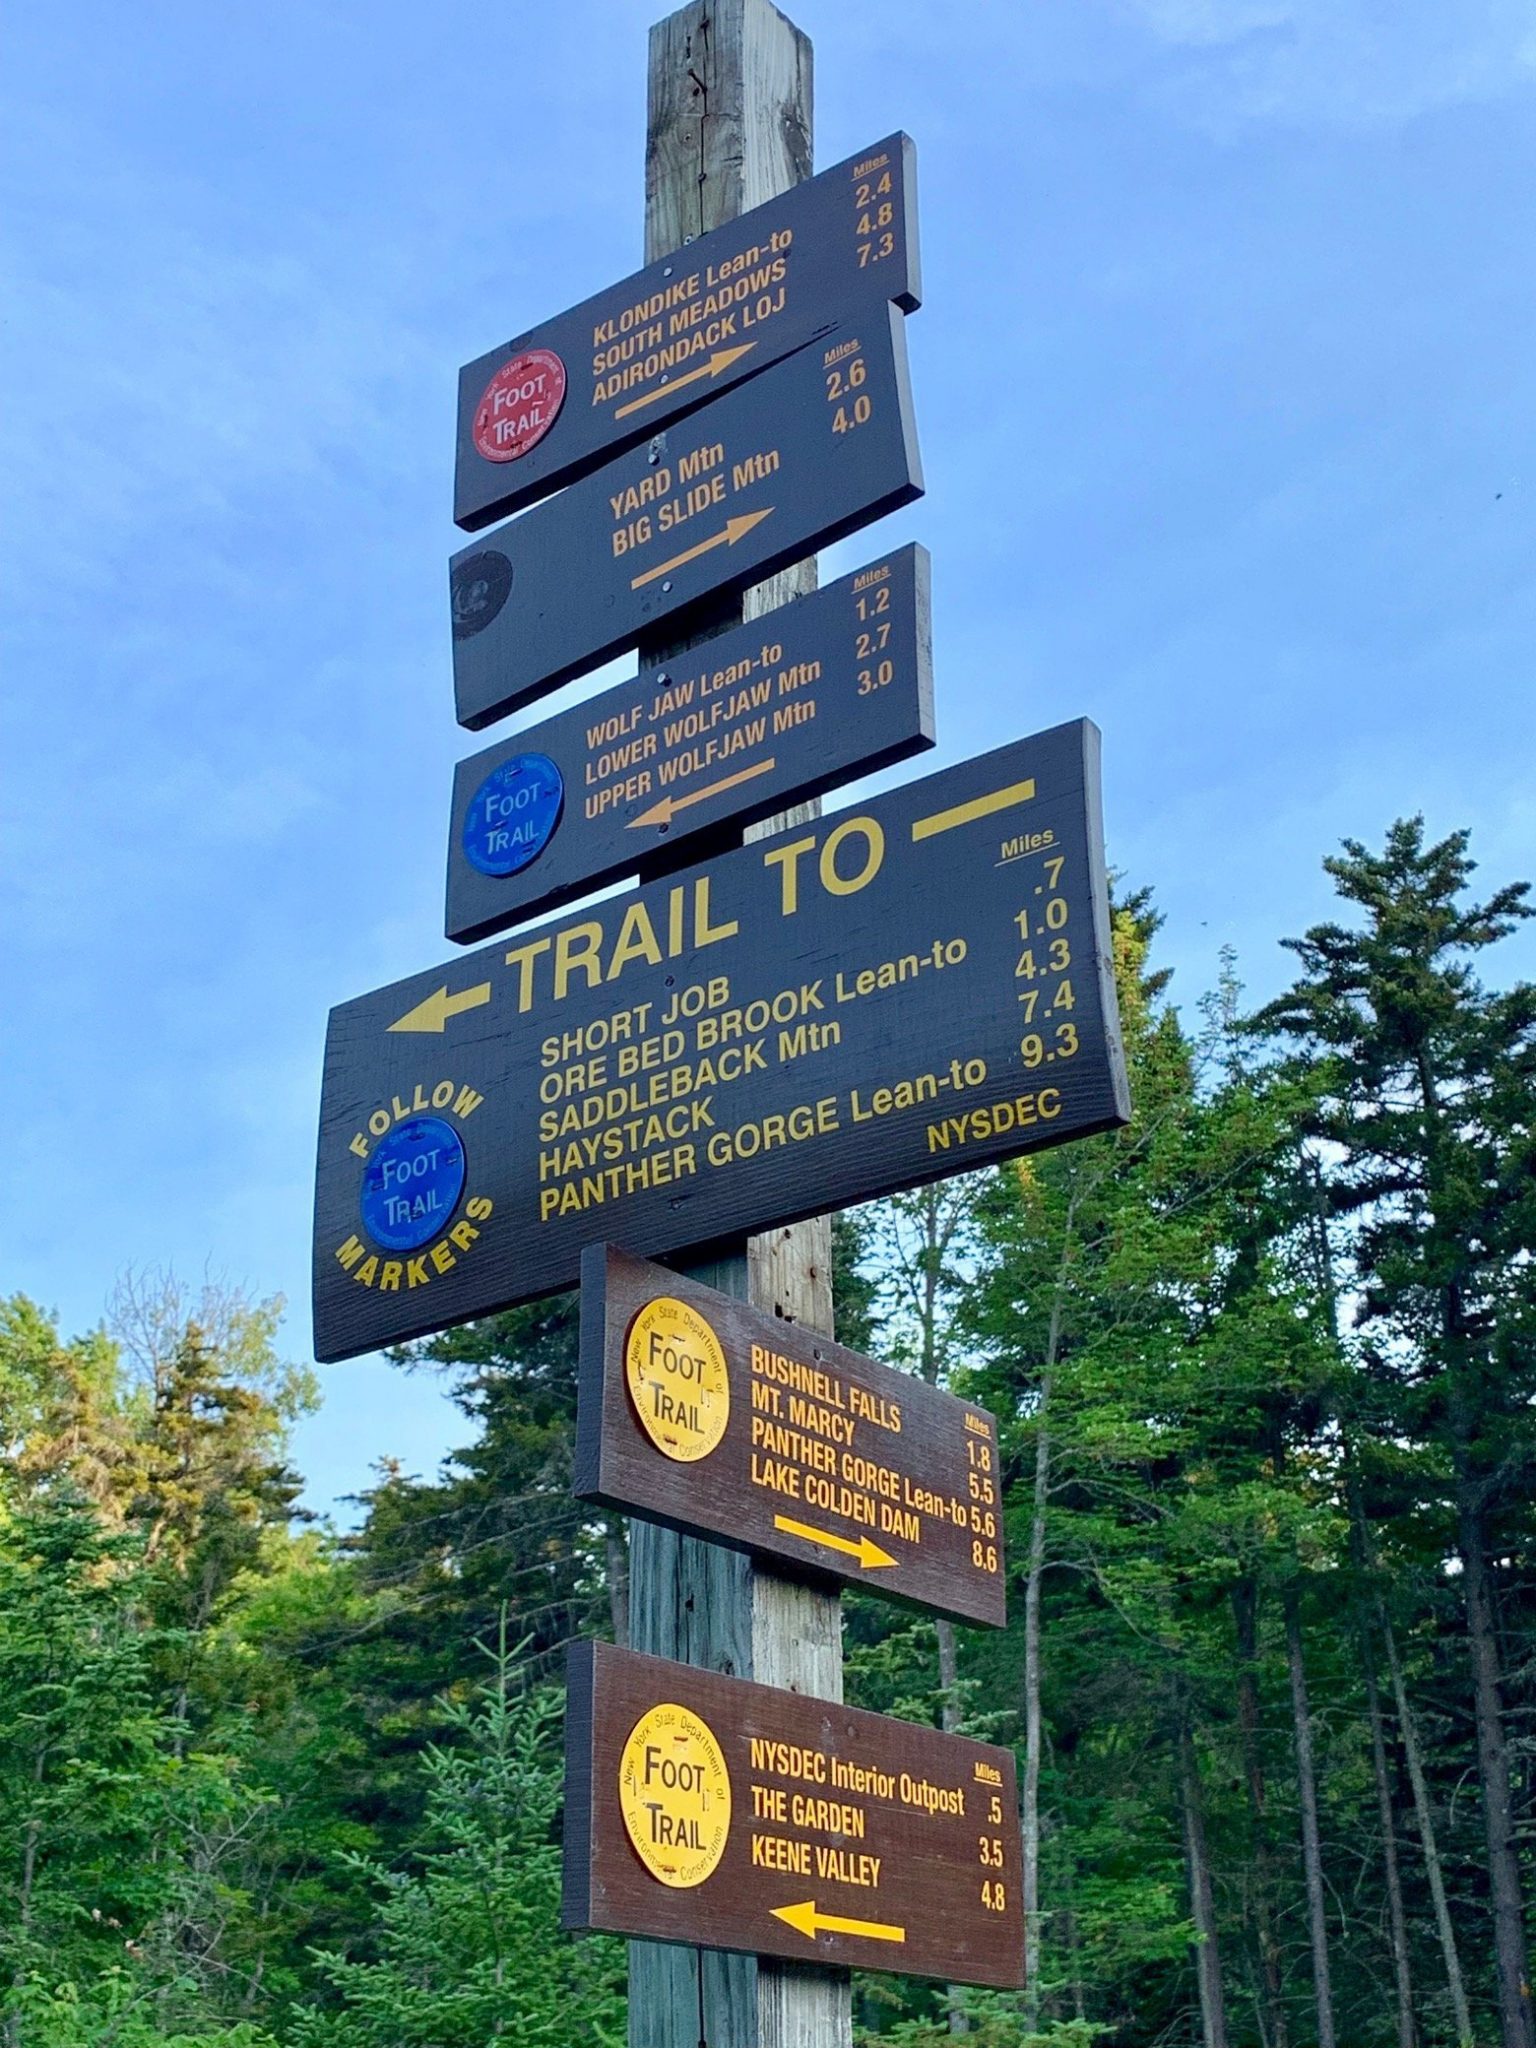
(100, 1808)
(470, 1948)
(1428, 1083)
(61, 1409)
(205, 1472)
(498, 1527)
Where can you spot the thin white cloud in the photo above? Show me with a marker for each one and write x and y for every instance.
(1203, 22)
(1347, 63)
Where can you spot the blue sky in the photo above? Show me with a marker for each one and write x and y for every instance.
(1226, 388)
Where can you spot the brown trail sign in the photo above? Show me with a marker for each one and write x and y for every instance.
(642, 776)
(566, 396)
(882, 998)
(811, 450)
(700, 1412)
(722, 1814)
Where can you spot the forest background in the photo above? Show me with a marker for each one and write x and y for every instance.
(1265, 1365)
(1226, 390)
(1225, 395)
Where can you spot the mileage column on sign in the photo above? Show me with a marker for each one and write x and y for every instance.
(700, 1412)
(981, 1481)
(753, 1818)
(1044, 966)
(874, 204)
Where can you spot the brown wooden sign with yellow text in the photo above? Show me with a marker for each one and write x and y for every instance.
(700, 1412)
(723, 1814)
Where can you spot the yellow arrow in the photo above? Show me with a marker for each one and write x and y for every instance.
(433, 1014)
(722, 359)
(732, 531)
(865, 1550)
(806, 1920)
(978, 807)
(662, 813)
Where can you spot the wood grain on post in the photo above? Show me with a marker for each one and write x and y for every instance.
(729, 125)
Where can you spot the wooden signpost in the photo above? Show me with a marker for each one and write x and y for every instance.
(562, 398)
(648, 773)
(811, 450)
(728, 127)
(903, 992)
(703, 1413)
(843, 1008)
(724, 1814)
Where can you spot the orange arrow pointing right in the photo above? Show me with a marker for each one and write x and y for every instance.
(721, 360)
(732, 531)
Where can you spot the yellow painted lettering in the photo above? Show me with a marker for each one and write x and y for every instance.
(578, 946)
(787, 858)
(871, 832)
(636, 941)
(705, 934)
(522, 958)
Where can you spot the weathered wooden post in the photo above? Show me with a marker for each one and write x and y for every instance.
(729, 125)
(756, 1033)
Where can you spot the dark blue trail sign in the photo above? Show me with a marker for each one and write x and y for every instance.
(897, 992)
(566, 396)
(810, 451)
(642, 777)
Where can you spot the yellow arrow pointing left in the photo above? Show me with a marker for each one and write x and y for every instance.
(433, 1014)
(806, 1920)
(662, 811)
(868, 1552)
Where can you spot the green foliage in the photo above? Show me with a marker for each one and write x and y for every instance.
(1265, 1375)
(107, 1905)
(498, 1526)
(993, 2021)
(59, 1405)
(469, 1947)
(121, 2007)
(1425, 1081)
(84, 1772)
